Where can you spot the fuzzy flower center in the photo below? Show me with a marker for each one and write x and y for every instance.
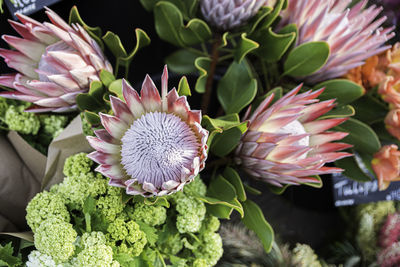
(157, 148)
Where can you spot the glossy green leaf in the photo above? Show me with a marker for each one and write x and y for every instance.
(194, 32)
(183, 87)
(85, 101)
(273, 45)
(344, 91)
(369, 109)
(6, 256)
(225, 142)
(159, 201)
(106, 77)
(92, 117)
(306, 59)
(233, 177)
(237, 88)
(268, 20)
(168, 22)
(244, 47)
(218, 210)
(116, 88)
(251, 190)
(148, 4)
(223, 123)
(317, 184)
(258, 18)
(361, 136)
(182, 61)
(277, 190)
(113, 43)
(339, 112)
(142, 40)
(254, 220)
(203, 65)
(96, 90)
(352, 169)
(94, 32)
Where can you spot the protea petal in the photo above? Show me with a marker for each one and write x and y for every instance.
(287, 144)
(57, 61)
(352, 34)
(153, 145)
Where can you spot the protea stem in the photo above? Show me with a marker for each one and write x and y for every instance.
(209, 83)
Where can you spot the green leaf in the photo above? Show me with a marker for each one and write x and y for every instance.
(182, 61)
(306, 59)
(92, 118)
(94, 32)
(352, 169)
(96, 90)
(168, 22)
(227, 141)
(233, 177)
(277, 190)
(252, 190)
(369, 109)
(255, 221)
(159, 262)
(196, 31)
(151, 232)
(339, 112)
(244, 47)
(183, 87)
(85, 101)
(7, 258)
(142, 40)
(116, 88)
(268, 20)
(106, 77)
(159, 201)
(148, 4)
(203, 65)
(259, 17)
(114, 44)
(223, 123)
(273, 45)
(344, 91)
(237, 88)
(361, 136)
(222, 192)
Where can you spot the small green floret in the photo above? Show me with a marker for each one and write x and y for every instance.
(77, 164)
(210, 248)
(56, 238)
(19, 120)
(45, 205)
(93, 239)
(191, 212)
(197, 187)
(3, 106)
(200, 263)
(149, 214)
(53, 125)
(95, 256)
(304, 256)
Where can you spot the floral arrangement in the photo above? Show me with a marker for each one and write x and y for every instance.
(290, 91)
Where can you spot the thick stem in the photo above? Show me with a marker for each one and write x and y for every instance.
(209, 83)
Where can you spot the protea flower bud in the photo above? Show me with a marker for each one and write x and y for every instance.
(228, 14)
(55, 62)
(153, 145)
(352, 34)
(386, 165)
(285, 144)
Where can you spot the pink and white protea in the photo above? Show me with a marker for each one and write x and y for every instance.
(285, 144)
(55, 62)
(229, 14)
(352, 34)
(153, 145)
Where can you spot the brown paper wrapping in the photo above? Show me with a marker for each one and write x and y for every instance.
(24, 171)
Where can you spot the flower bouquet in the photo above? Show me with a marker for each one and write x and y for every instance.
(289, 90)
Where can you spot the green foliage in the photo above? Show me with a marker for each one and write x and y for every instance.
(20, 121)
(344, 91)
(237, 88)
(202, 64)
(6, 254)
(244, 47)
(182, 61)
(306, 59)
(55, 238)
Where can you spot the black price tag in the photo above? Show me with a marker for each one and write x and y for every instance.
(27, 7)
(349, 192)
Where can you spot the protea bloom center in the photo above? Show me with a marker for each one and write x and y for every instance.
(55, 63)
(229, 14)
(286, 144)
(152, 145)
(353, 34)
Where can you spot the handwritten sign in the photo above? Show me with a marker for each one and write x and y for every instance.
(27, 7)
(349, 192)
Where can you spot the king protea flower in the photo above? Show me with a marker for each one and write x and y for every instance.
(153, 145)
(352, 34)
(55, 62)
(286, 144)
(229, 14)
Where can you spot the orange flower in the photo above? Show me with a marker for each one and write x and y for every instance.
(386, 165)
(392, 122)
(393, 57)
(389, 89)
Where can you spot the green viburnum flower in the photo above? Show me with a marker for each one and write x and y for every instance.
(20, 121)
(304, 256)
(43, 206)
(77, 164)
(93, 239)
(149, 214)
(56, 238)
(210, 248)
(200, 263)
(95, 256)
(53, 125)
(191, 212)
(37, 258)
(110, 205)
